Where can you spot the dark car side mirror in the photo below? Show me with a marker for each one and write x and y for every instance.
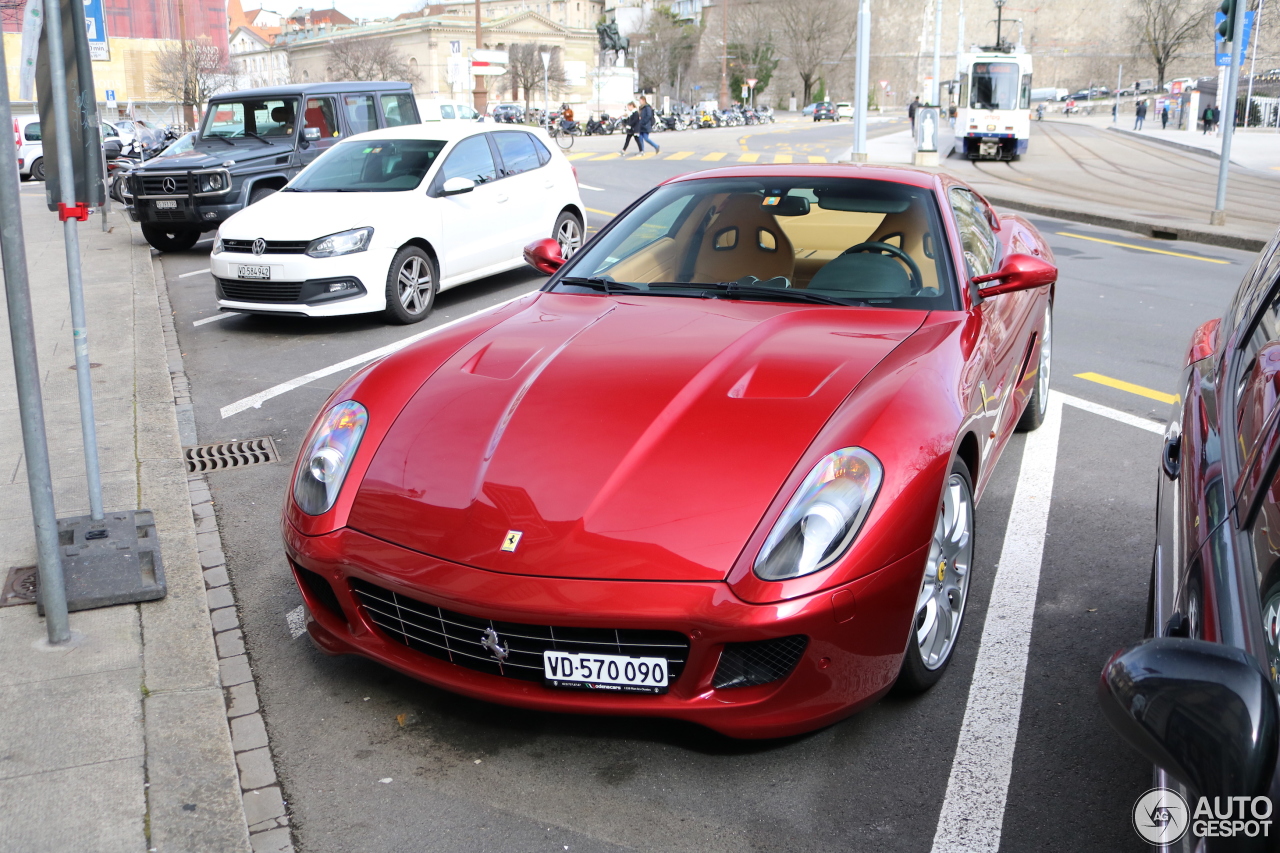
(544, 255)
(1204, 712)
(1018, 272)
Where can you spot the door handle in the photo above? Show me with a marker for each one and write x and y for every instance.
(501, 199)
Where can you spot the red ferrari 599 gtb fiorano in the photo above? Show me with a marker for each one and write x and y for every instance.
(721, 468)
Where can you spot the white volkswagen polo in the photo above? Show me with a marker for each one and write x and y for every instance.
(387, 219)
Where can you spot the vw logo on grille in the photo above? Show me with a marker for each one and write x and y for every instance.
(170, 185)
(259, 246)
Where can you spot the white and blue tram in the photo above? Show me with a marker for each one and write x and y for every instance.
(993, 119)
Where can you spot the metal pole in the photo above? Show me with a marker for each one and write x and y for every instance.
(22, 336)
(1115, 113)
(861, 72)
(1253, 63)
(1219, 215)
(546, 84)
(480, 95)
(67, 189)
(936, 94)
(960, 38)
(724, 57)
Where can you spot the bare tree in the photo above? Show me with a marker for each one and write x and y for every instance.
(189, 77)
(753, 52)
(355, 58)
(1163, 30)
(665, 50)
(812, 34)
(525, 73)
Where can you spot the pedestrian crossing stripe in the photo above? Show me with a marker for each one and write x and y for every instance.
(782, 158)
(715, 155)
(580, 155)
(748, 158)
(813, 158)
(614, 155)
(680, 155)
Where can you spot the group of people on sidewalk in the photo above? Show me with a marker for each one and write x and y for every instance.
(1140, 115)
(639, 124)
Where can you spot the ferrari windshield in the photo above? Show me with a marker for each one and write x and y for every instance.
(840, 241)
(382, 165)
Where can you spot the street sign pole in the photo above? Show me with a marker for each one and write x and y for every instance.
(546, 84)
(22, 337)
(936, 94)
(862, 65)
(1219, 215)
(71, 212)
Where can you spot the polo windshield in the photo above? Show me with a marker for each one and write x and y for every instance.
(384, 165)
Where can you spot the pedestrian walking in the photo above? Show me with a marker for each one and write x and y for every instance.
(1140, 115)
(630, 122)
(1164, 117)
(646, 126)
(1209, 118)
(911, 112)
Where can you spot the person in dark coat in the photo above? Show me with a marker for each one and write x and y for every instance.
(631, 122)
(1164, 117)
(646, 126)
(911, 112)
(1209, 117)
(1140, 115)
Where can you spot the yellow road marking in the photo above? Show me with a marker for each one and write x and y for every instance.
(748, 158)
(601, 212)
(611, 156)
(813, 159)
(1143, 248)
(1121, 385)
(579, 155)
(782, 158)
(679, 155)
(715, 155)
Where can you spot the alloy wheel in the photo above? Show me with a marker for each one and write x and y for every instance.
(414, 282)
(940, 605)
(569, 236)
(1046, 358)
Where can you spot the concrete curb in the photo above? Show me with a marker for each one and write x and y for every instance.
(264, 808)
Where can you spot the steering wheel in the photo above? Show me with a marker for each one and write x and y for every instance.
(917, 280)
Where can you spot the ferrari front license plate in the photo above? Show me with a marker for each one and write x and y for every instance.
(610, 673)
(253, 272)
(166, 205)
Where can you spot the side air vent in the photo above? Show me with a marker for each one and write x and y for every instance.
(749, 664)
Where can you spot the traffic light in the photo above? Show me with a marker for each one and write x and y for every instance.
(1227, 27)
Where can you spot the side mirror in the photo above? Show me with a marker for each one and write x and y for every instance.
(1203, 712)
(544, 255)
(457, 186)
(1019, 272)
(311, 134)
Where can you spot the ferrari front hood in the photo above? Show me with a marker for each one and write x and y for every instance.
(622, 438)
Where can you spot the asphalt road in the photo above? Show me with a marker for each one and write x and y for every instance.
(467, 776)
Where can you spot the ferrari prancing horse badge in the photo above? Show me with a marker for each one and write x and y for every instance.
(512, 540)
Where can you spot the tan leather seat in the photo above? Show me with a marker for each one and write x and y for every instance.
(911, 226)
(743, 239)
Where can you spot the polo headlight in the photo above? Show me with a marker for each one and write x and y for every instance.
(214, 182)
(327, 456)
(823, 518)
(217, 242)
(342, 243)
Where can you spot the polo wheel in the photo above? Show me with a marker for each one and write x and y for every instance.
(1038, 402)
(170, 239)
(944, 590)
(568, 233)
(411, 286)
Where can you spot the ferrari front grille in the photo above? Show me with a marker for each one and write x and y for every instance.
(456, 637)
(749, 664)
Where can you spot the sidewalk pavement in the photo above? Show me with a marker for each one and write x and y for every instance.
(1251, 147)
(119, 740)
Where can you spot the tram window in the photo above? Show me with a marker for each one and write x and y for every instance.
(1024, 100)
(995, 86)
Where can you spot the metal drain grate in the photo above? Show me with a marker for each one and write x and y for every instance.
(19, 586)
(229, 454)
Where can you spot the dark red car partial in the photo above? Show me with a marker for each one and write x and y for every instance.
(721, 468)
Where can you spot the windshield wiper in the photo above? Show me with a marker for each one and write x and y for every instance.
(256, 136)
(732, 288)
(603, 284)
(220, 139)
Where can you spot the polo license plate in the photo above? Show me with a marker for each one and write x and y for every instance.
(607, 673)
(166, 204)
(259, 272)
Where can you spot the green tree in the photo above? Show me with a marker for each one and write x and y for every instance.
(664, 51)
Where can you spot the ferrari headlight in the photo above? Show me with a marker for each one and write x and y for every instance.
(342, 243)
(327, 457)
(823, 518)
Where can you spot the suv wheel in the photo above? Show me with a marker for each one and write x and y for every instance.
(259, 194)
(37, 169)
(411, 286)
(170, 239)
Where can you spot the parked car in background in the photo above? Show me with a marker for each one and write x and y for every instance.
(443, 109)
(844, 110)
(30, 147)
(151, 138)
(1198, 697)
(250, 144)
(825, 111)
(808, 110)
(384, 221)
(510, 112)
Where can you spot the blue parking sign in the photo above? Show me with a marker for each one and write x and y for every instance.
(95, 21)
(1222, 55)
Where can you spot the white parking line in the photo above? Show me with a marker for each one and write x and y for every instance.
(256, 400)
(216, 317)
(973, 809)
(194, 272)
(296, 619)
(1114, 414)
(593, 189)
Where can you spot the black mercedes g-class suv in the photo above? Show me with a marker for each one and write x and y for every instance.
(249, 145)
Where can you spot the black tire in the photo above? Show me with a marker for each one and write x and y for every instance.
(259, 193)
(915, 676)
(568, 233)
(37, 169)
(1038, 402)
(410, 270)
(170, 239)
